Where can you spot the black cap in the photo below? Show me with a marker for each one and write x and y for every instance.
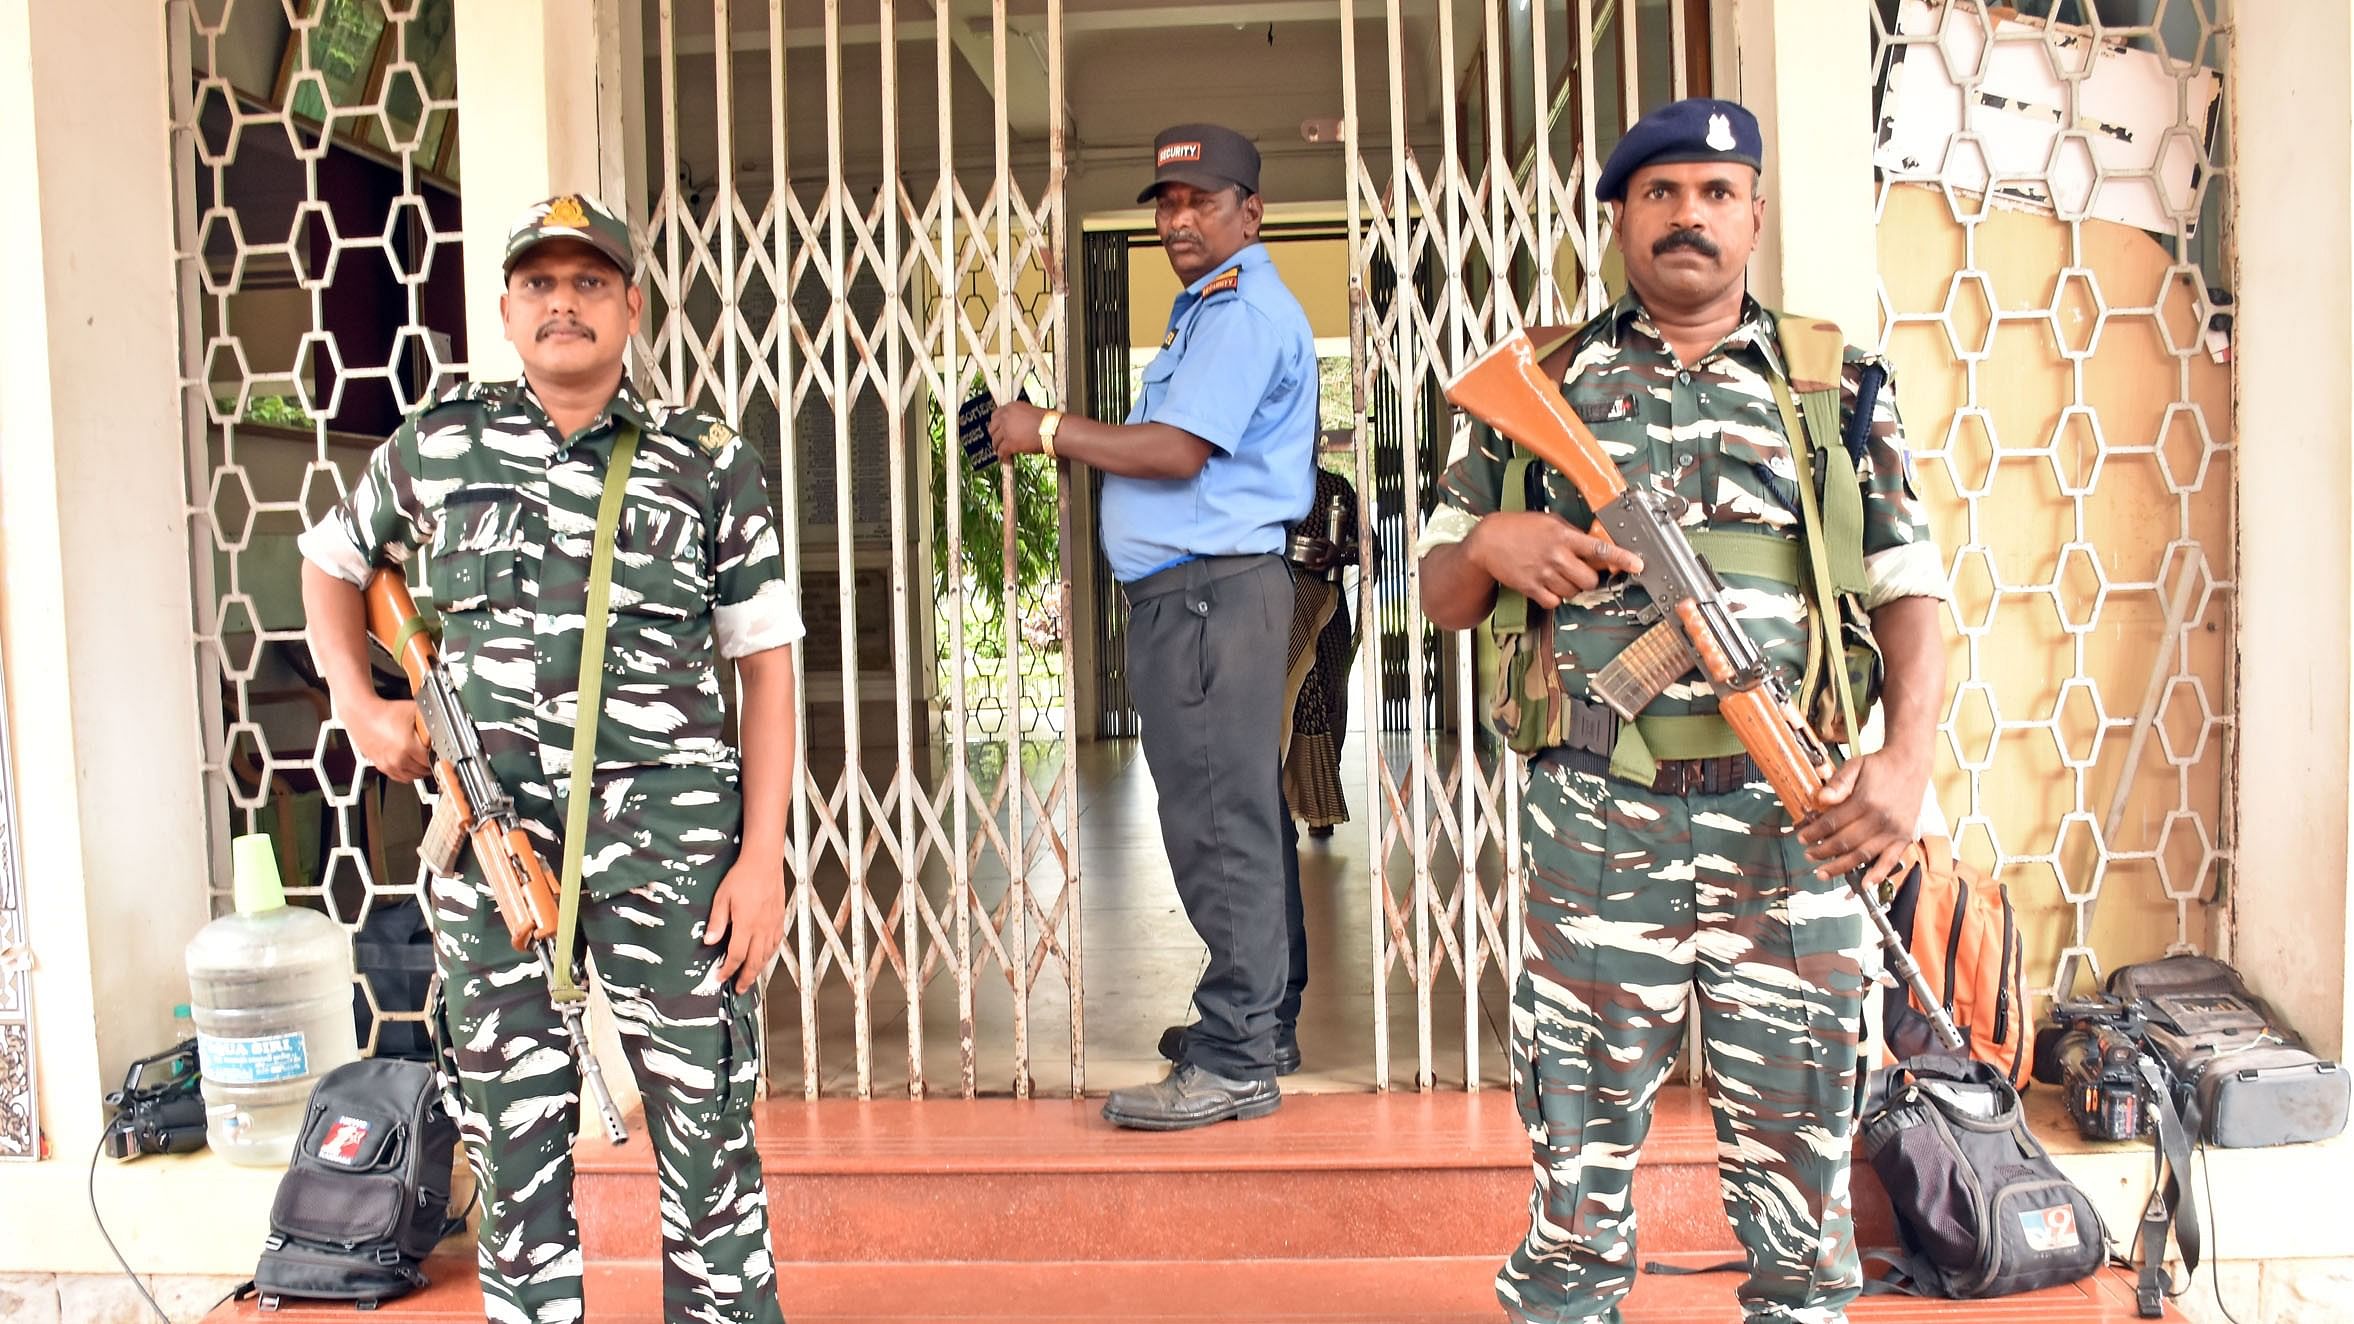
(1205, 156)
(1695, 129)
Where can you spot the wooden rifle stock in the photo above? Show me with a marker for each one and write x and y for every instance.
(518, 879)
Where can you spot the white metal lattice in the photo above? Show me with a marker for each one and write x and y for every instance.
(2049, 295)
(317, 242)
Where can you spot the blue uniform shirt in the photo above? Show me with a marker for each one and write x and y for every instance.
(1238, 370)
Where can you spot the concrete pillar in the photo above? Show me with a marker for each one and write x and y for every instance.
(94, 546)
(2293, 232)
(528, 114)
(1804, 68)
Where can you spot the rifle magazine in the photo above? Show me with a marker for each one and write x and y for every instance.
(445, 837)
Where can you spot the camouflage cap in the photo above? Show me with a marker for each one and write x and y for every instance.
(571, 216)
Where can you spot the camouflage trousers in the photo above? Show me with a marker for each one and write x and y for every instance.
(661, 840)
(1636, 900)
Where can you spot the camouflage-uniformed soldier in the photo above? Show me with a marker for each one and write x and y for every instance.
(1695, 885)
(682, 877)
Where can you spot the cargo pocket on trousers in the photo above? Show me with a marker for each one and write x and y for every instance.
(1827, 937)
(1552, 1111)
(739, 1084)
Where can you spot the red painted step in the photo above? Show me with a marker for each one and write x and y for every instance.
(1327, 1175)
(1452, 1290)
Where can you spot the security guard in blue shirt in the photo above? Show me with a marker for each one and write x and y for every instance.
(1216, 459)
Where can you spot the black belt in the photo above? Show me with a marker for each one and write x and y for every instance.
(1199, 570)
(1682, 777)
(1593, 735)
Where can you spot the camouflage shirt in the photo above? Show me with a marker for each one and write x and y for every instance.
(505, 509)
(1710, 434)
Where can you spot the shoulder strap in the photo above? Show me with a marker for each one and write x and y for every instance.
(1510, 614)
(2171, 1204)
(1812, 354)
(589, 706)
(1832, 526)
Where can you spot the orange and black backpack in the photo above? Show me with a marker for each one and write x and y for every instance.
(1959, 925)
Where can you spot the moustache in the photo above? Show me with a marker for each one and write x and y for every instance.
(1692, 239)
(564, 324)
(1177, 237)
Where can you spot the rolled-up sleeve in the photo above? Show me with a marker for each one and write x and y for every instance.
(753, 608)
(1469, 490)
(1900, 557)
(378, 520)
(1232, 355)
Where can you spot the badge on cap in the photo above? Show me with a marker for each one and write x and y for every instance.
(1176, 152)
(1720, 133)
(566, 211)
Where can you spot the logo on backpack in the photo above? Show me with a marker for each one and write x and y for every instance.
(2050, 1229)
(344, 1140)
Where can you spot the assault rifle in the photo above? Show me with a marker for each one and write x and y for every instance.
(470, 807)
(1505, 389)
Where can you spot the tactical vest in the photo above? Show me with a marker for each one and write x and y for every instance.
(1529, 708)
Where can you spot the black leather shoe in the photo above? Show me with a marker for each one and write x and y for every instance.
(1287, 1046)
(1190, 1096)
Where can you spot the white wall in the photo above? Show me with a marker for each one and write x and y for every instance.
(95, 544)
(2294, 354)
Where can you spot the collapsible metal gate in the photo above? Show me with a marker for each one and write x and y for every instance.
(844, 241)
(1453, 244)
(827, 274)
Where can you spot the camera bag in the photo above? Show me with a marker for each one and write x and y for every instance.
(2242, 1077)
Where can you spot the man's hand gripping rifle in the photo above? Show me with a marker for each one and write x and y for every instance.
(1506, 389)
(472, 808)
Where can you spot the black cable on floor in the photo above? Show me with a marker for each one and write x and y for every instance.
(95, 1153)
(2215, 1267)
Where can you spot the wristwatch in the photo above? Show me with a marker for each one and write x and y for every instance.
(1047, 427)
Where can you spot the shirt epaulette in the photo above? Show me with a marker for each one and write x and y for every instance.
(1229, 279)
(475, 399)
(697, 428)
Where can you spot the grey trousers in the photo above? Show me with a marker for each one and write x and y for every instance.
(1206, 648)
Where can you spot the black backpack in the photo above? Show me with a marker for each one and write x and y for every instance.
(367, 1196)
(393, 953)
(1981, 1208)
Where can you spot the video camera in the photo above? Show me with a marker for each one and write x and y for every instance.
(162, 1117)
(2095, 1050)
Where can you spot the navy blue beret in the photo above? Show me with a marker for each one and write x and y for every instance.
(1696, 129)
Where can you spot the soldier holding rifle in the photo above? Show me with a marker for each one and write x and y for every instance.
(1663, 866)
(516, 492)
